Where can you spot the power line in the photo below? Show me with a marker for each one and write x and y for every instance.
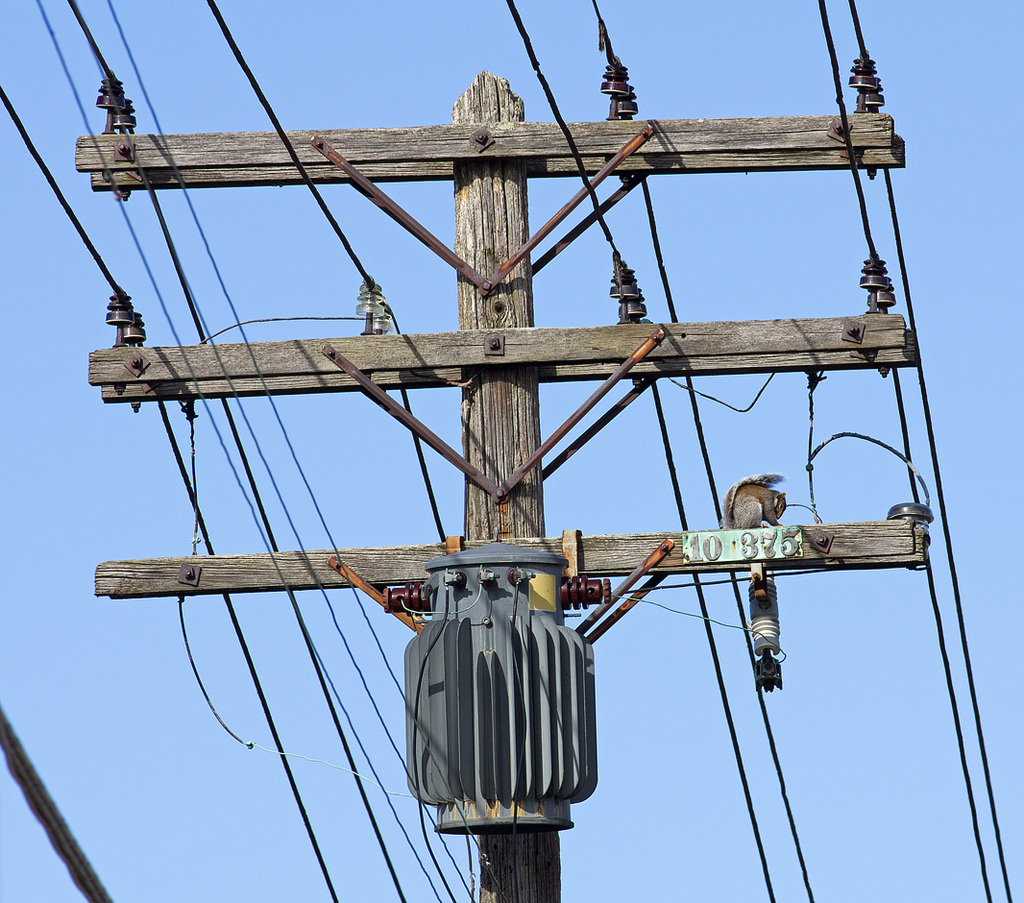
(367, 278)
(314, 654)
(48, 815)
(732, 577)
(948, 541)
(75, 221)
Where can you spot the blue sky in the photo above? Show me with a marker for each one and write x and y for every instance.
(165, 803)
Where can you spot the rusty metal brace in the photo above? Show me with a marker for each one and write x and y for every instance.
(666, 546)
(409, 421)
(410, 224)
(498, 493)
(628, 148)
(416, 623)
(523, 469)
(607, 417)
(628, 184)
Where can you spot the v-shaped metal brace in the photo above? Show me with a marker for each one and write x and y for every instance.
(498, 493)
(410, 224)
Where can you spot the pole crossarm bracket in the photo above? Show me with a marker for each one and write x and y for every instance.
(872, 544)
(428, 153)
(297, 366)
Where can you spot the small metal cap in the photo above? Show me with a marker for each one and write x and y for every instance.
(912, 511)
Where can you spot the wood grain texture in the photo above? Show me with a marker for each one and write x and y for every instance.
(501, 411)
(501, 407)
(872, 544)
(762, 144)
(418, 361)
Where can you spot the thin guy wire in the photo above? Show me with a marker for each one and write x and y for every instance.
(561, 124)
(252, 667)
(732, 577)
(60, 196)
(669, 460)
(367, 278)
(275, 548)
(948, 539)
(837, 78)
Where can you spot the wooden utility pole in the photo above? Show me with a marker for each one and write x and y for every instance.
(501, 420)
(490, 152)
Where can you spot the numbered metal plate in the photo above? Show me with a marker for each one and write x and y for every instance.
(762, 544)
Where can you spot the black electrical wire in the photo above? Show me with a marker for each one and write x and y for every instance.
(864, 55)
(118, 291)
(274, 547)
(948, 540)
(670, 462)
(199, 326)
(580, 166)
(238, 632)
(48, 815)
(847, 137)
(107, 71)
(197, 319)
(732, 577)
(657, 251)
(367, 278)
(267, 392)
(257, 498)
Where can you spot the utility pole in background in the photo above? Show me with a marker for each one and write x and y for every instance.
(501, 420)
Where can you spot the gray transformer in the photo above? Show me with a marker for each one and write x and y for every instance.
(500, 702)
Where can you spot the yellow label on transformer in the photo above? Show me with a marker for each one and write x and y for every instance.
(544, 592)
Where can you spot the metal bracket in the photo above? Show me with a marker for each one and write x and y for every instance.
(189, 574)
(136, 363)
(835, 129)
(822, 539)
(853, 331)
(416, 623)
(482, 139)
(760, 583)
(523, 469)
(494, 345)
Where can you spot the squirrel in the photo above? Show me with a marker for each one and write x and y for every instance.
(750, 501)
